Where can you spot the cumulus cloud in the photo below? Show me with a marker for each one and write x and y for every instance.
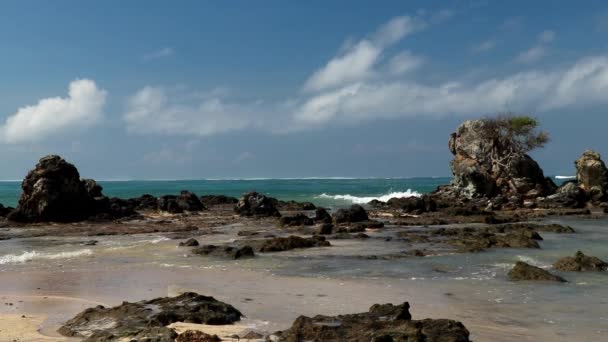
(161, 53)
(151, 110)
(357, 62)
(360, 85)
(82, 108)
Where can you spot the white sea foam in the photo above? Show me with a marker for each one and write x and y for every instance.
(366, 199)
(565, 177)
(33, 255)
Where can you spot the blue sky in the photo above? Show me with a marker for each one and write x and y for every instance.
(212, 89)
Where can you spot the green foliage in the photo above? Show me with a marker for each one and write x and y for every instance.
(514, 134)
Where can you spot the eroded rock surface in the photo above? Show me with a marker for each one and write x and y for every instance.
(147, 320)
(522, 271)
(385, 322)
(256, 204)
(580, 263)
(592, 176)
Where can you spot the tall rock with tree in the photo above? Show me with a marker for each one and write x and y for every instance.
(491, 159)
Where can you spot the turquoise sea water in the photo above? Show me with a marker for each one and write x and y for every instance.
(327, 192)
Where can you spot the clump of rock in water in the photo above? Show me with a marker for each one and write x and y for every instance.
(148, 320)
(257, 205)
(580, 263)
(523, 271)
(385, 322)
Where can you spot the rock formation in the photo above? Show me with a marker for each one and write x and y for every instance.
(53, 191)
(523, 271)
(478, 172)
(592, 176)
(147, 320)
(355, 213)
(256, 204)
(385, 322)
(580, 263)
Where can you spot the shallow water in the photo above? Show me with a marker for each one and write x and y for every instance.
(275, 288)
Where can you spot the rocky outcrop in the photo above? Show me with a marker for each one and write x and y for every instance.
(296, 220)
(189, 243)
(230, 252)
(355, 213)
(257, 205)
(477, 172)
(413, 205)
(381, 323)
(523, 271)
(147, 320)
(322, 216)
(293, 205)
(53, 191)
(185, 201)
(592, 176)
(4, 211)
(209, 200)
(280, 244)
(197, 336)
(580, 263)
(144, 202)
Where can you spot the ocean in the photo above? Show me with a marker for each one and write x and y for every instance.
(329, 192)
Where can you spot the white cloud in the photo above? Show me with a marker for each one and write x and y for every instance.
(151, 110)
(485, 46)
(404, 63)
(82, 108)
(532, 55)
(357, 61)
(161, 53)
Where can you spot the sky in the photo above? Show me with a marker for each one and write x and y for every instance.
(239, 89)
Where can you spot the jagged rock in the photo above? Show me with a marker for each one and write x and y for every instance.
(186, 201)
(322, 216)
(4, 211)
(580, 263)
(325, 229)
(197, 336)
(256, 204)
(94, 189)
(280, 244)
(296, 220)
(144, 202)
(148, 318)
(414, 205)
(210, 200)
(382, 323)
(523, 271)
(592, 176)
(231, 252)
(189, 243)
(568, 195)
(477, 175)
(355, 213)
(293, 205)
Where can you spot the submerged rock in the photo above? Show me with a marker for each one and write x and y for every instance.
(256, 204)
(385, 322)
(580, 263)
(355, 213)
(592, 176)
(523, 271)
(148, 319)
(231, 252)
(279, 244)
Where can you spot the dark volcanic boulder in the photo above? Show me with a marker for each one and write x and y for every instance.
(5, 210)
(295, 220)
(523, 271)
(580, 263)
(382, 323)
(280, 244)
(144, 202)
(477, 172)
(197, 336)
(322, 216)
(148, 319)
(188, 201)
(169, 204)
(189, 243)
(355, 213)
(592, 176)
(210, 200)
(412, 204)
(53, 191)
(231, 252)
(256, 204)
(94, 189)
(293, 205)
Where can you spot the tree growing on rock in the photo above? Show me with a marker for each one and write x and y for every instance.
(513, 137)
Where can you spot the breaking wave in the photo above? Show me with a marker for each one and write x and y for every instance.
(366, 199)
(565, 177)
(33, 255)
